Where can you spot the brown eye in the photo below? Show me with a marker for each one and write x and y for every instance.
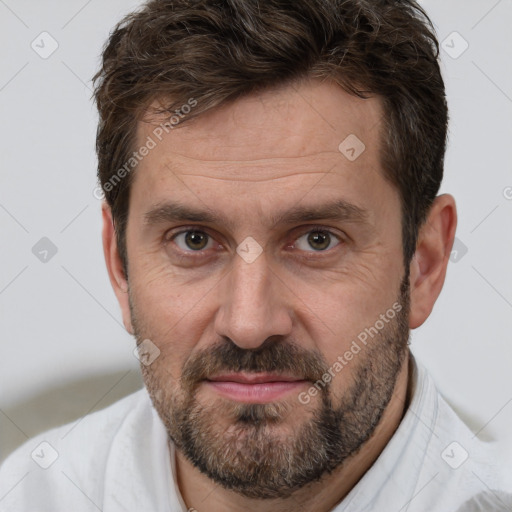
(191, 240)
(317, 240)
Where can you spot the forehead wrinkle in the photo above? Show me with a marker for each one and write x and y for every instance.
(232, 173)
(253, 160)
(275, 178)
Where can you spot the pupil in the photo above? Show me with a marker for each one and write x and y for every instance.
(319, 238)
(195, 240)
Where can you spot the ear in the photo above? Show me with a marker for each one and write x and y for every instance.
(114, 266)
(428, 266)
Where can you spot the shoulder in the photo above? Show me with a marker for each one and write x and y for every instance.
(457, 464)
(61, 461)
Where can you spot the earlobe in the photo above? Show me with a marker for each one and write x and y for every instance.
(114, 266)
(430, 261)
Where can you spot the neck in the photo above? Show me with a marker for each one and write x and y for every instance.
(201, 494)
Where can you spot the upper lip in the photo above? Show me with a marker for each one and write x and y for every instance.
(254, 378)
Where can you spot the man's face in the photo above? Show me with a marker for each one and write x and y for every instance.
(254, 304)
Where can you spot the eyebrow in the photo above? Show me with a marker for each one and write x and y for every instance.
(338, 210)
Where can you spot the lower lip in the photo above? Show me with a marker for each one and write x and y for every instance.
(255, 393)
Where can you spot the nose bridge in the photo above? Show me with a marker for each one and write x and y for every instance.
(250, 288)
(252, 309)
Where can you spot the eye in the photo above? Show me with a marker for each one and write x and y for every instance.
(192, 240)
(319, 240)
(198, 241)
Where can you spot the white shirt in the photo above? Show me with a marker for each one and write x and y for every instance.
(119, 459)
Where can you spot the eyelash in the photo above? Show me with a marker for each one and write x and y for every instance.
(200, 253)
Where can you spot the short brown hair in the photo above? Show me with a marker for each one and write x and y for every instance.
(215, 51)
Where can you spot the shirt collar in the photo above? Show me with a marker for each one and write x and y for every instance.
(395, 473)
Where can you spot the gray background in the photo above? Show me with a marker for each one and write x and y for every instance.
(64, 351)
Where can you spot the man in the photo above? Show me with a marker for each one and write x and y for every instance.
(272, 233)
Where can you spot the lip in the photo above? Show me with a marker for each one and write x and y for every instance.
(254, 378)
(254, 387)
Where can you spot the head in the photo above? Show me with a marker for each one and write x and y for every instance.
(270, 172)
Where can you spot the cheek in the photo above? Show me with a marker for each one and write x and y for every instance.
(167, 292)
(334, 316)
(171, 313)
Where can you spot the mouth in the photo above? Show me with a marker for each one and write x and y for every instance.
(254, 387)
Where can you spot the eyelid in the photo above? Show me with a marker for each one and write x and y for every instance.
(317, 227)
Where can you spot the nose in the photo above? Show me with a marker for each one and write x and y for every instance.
(253, 306)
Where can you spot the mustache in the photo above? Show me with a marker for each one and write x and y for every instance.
(273, 356)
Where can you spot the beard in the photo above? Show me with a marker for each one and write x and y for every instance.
(270, 450)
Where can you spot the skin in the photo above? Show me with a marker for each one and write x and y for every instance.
(248, 161)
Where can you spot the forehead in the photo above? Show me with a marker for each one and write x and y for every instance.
(290, 121)
(288, 137)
